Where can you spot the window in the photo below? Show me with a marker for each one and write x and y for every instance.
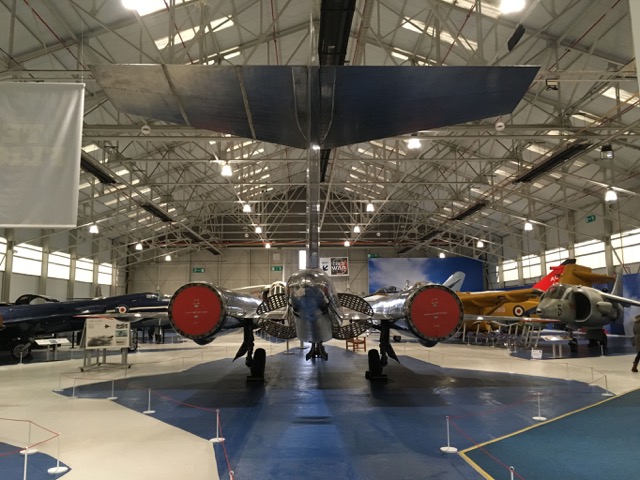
(3, 253)
(59, 265)
(626, 246)
(105, 273)
(84, 270)
(531, 266)
(555, 256)
(27, 259)
(510, 271)
(590, 254)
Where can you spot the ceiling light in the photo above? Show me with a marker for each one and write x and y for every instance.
(441, 255)
(611, 195)
(370, 207)
(480, 244)
(356, 229)
(511, 6)
(226, 170)
(246, 208)
(138, 246)
(347, 243)
(167, 258)
(258, 229)
(94, 229)
(267, 245)
(606, 152)
(414, 143)
(528, 226)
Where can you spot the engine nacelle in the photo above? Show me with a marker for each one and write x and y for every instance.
(197, 311)
(433, 313)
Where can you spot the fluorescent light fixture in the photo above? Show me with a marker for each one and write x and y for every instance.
(442, 255)
(258, 229)
(226, 170)
(480, 244)
(606, 152)
(611, 195)
(246, 208)
(94, 229)
(528, 226)
(511, 6)
(414, 143)
(356, 229)
(138, 246)
(167, 258)
(347, 243)
(267, 245)
(370, 207)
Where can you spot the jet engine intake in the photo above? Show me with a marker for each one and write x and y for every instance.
(434, 313)
(197, 311)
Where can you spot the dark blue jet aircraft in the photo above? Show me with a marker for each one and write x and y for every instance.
(34, 316)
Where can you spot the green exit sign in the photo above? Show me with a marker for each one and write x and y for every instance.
(276, 268)
(197, 269)
(373, 255)
(590, 218)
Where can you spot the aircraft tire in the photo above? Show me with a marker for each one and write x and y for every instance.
(20, 345)
(375, 365)
(259, 363)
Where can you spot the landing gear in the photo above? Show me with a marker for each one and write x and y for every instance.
(20, 348)
(317, 350)
(258, 364)
(374, 373)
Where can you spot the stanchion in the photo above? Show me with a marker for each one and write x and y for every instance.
(28, 450)
(512, 471)
(448, 448)
(539, 417)
(57, 469)
(112, 397)
(218, 438)
(607, 393)
(148, 411)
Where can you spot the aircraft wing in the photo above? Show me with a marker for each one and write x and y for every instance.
(348, 104)
(497, 298)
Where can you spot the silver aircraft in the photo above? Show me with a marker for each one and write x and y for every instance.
(580, 307)
(309, 308)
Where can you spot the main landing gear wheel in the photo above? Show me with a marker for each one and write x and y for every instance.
(20, 348)
(258, 365)
(374, 374)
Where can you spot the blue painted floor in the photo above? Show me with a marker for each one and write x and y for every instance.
(12, 464)
(323, 420)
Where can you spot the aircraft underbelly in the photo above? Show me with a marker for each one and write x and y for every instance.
(315, 330)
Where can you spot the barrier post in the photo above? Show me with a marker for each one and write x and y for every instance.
(448, 448)
(217, 438)
(148, 411)
(539, 417)
(112, 397)
(57, 469)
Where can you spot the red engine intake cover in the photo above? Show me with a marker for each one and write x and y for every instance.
(435, 313)
(196, 310)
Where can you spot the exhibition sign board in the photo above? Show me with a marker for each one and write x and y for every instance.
(106, 333)
(335, 266)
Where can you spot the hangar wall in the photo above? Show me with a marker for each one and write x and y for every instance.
(247, 267)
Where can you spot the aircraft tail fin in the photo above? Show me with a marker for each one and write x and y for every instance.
(454, 282)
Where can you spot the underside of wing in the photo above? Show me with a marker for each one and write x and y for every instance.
(330, 106)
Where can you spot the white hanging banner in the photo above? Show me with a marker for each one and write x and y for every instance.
(40, 140)
(634, 11)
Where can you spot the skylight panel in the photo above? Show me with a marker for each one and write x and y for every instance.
(189, 33)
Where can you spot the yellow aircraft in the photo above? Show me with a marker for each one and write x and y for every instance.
(484, 311)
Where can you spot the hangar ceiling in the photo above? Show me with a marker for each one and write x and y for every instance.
(161, 184)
